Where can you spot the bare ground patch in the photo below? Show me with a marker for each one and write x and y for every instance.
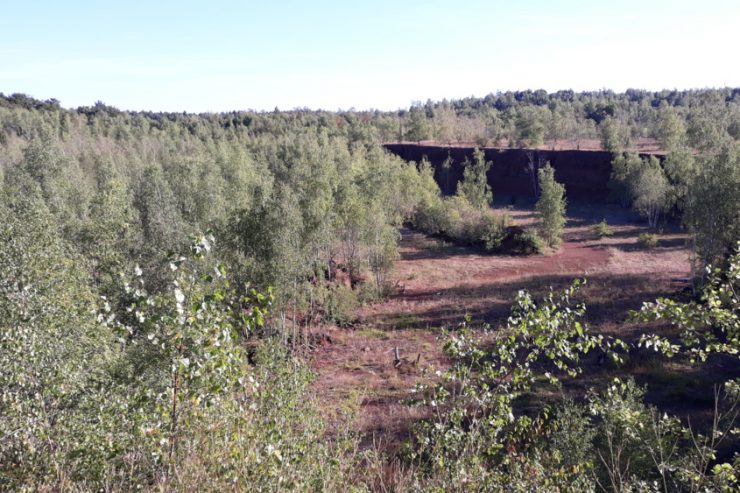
(438, 284)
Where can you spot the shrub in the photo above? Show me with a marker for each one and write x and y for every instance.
(648, 240)
(340, 303)
(530, 243)
(270, 440)
(441, 217)
(470, 439)
(572, 434)
(368, 292)
(522, 241)
(602, 229)
(427, 216)
(456, 220)
(490, 232)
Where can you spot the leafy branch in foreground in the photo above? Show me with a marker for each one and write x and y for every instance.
(475, 424)
(483, 435)
(159, 391)
(193, 333)
(711, 325)
(637, 447)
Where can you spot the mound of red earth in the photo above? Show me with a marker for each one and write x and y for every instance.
(585, 174)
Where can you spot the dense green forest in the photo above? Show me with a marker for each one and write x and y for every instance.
(534, 118)
(160, 273)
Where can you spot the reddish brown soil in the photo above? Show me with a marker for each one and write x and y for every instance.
(357, 373)
(438, 284)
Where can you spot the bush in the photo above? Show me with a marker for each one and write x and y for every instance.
(441, 217)
(428, 216)
(155, 391)
(340, 302)
(490, 232)
(521, 241)
(456, 220)
(470, 439)
(602, 229)
(648, 240)
(530, 243)
(368, 292)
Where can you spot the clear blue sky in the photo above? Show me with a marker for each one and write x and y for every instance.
(222, 55)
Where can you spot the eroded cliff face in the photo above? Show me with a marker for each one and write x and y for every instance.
(585, 174)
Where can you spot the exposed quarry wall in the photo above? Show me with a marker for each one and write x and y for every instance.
(585, 174)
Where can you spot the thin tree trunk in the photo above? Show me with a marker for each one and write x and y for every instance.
(173, 415)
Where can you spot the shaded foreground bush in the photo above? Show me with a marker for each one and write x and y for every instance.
(157, 391)
(480, 439)
(521, 241)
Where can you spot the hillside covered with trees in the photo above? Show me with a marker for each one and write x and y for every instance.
(161, 274)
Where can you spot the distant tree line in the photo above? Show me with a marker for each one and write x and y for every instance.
(538, 118)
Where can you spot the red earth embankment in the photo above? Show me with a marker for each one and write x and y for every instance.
(585, 174)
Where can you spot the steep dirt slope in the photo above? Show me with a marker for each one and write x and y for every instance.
(585, 174)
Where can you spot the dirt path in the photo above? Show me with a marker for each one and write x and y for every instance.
(437, 284)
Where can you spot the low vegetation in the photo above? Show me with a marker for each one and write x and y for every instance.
(602, 229)
(648, 240)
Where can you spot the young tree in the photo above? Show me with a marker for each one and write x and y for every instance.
(474, 186)
(467, 439)
(351, 226)
(49, 347)
(109, 237)
(551, 206)
(625, 168)
(651, 191)
(59, 178)
(615, 136)
(670, 130)
(530, 125)
(703, 131)
(382, 249)
(420, 127)
(269, 238)
(711, 210)
(162, 224)
(679, 166)
(445, 123)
